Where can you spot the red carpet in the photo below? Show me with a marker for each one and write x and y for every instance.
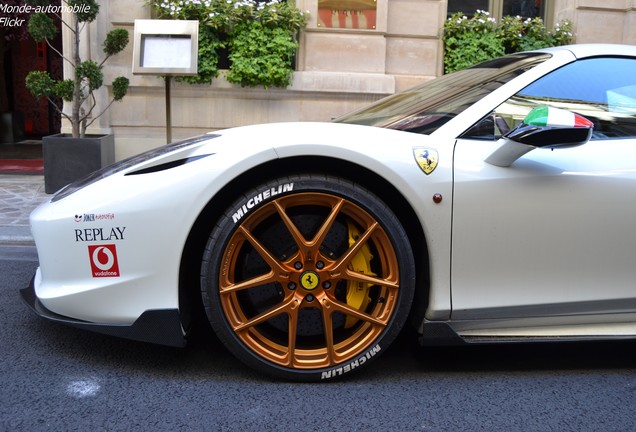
(21, 166)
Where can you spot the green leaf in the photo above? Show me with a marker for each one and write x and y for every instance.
(41, 27)
(115, 42)
(39, 83)
(261, 55)
(120, 87)
(468, 41)
(87, 10)
(92, 72)
(256, 59)
(64, 89)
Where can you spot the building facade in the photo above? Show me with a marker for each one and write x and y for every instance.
(352, 52)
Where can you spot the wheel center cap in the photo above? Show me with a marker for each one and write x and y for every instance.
(309, 280)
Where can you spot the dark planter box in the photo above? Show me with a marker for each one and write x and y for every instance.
(67, 159)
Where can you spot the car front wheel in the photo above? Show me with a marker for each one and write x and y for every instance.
(308, 277)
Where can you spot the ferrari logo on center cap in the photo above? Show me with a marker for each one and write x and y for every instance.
(426, 158)
(309, 280)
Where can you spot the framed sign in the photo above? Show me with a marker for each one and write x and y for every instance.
(165, 47)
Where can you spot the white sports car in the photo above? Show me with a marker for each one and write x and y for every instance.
(494, 204)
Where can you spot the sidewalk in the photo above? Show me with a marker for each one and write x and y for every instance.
(19, 195)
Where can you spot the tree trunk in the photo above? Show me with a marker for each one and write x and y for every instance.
(77, 97)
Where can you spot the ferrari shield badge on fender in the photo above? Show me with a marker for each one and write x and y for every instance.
(426, 158)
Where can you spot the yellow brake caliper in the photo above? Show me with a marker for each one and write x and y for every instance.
(358, 292)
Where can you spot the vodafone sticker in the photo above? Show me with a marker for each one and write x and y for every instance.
(104, 260)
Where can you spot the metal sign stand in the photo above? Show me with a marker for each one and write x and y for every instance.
(168, 111)
(166, 48)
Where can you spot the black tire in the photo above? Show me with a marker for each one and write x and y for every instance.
(290, 290)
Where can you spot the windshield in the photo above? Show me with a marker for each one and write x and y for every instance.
(428, 106)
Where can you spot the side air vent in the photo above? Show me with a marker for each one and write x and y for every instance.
(168, 165)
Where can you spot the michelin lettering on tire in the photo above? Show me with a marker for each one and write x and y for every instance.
(260, 197)
(352, 365)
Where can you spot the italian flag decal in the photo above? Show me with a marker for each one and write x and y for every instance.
(555, 117)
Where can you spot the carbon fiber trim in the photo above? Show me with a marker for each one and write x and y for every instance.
(161, 327)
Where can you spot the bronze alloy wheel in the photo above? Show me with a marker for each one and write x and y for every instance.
(305, 281)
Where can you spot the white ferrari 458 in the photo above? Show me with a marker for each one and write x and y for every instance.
(494, 204)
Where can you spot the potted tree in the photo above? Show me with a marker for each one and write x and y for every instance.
(68, 157)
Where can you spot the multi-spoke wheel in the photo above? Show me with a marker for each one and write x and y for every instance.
(308, 277)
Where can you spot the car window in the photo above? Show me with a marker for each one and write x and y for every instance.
(600, 89)
(425, 108)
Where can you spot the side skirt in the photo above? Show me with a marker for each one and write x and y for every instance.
(437, 333)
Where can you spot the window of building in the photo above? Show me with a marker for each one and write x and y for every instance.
(501, 8)
(347, 14)
(467, 7)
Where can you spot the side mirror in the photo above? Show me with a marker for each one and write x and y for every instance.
(543, 127)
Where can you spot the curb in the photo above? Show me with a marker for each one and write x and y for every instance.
(16, 236)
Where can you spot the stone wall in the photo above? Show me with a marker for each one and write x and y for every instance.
(610, 21)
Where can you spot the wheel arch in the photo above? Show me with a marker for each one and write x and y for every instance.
(190, 304)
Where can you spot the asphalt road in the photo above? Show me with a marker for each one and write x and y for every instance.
(55, 378)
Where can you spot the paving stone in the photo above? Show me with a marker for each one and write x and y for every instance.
(19, 195)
